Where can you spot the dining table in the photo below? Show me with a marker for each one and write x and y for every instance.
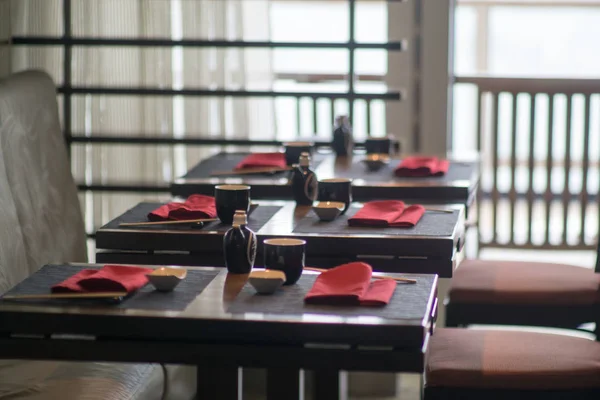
(220, 169)
(433, 246)
(216, 321)
(458, 186)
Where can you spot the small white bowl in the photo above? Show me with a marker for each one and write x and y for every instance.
(328, 210)
(165, 279)
(267, 281)
(374, 162)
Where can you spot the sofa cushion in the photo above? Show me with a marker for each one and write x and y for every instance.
(13, 263)
(47, 380)
(465, 358)
(40, 223)
(511, 282)
(38, 171)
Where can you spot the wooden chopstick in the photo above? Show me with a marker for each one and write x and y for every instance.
(248, 171)
(183, 221)
(443, 210)
(404, 280)
(96, 295)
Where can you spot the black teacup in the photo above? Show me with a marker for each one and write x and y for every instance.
(229, 198)
(336, 189)
(286, 255)
(379, 145)
(294, 149)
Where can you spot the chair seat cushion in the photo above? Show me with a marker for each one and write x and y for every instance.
(465, 358)
(511, 282)
(46, 380)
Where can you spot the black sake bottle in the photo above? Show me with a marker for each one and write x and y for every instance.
(239, 245)
(304, 181)
(343, 142)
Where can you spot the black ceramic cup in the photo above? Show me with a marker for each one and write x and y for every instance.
(378, 145)
(294, 149)
(286, 255)
(229, 198)
(335, 189)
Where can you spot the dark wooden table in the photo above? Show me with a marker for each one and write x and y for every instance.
(434, 247)
(220, 342)
(459, 185)
(273, 186)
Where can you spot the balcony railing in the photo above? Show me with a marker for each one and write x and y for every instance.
(540, 161)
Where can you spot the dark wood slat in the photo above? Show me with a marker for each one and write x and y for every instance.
(549, 164)
(513, 168)
(152, 42)
(330, 385)
(531, 168)
(153, 91)
(219, 383)
(213, 355)
(285, 383)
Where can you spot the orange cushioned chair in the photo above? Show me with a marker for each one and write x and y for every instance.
(469, 364)
(523, 293)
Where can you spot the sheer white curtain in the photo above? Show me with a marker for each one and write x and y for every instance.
(155, 67)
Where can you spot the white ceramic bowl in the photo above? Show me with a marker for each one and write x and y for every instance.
(165, 279)
(267, 281)
(375, 161)
(328, 210)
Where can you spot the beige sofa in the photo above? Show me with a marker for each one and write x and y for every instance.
(40, 223)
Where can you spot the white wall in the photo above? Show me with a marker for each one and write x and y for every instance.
(436, 75)
(422, 120)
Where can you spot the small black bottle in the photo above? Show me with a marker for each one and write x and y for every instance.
(239, 245)
(343, 142)
(304, 181)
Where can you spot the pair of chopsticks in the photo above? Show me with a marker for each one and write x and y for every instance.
(442, 210)
(94, 295)
(404, 280)
(178, 222)
(249, 171)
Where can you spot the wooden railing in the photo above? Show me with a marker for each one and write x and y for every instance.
(540, 161)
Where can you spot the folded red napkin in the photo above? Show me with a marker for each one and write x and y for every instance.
(350, 284)
(110, 278)
(195, 207)
(259, 160)
(422, 166)
(387, 213)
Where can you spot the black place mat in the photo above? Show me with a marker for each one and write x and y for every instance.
(358, 170)
(145, 299)
(408, 301)
(258, 217)
(432, 223)
(228, 161)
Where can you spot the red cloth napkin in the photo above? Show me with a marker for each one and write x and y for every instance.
(350, 284)
(195, 207)
(422, 167)
(259, 160)
(110, 278)
(387, 213)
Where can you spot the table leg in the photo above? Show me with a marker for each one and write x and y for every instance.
(285, 383)
(330, 385)
(219, 383)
